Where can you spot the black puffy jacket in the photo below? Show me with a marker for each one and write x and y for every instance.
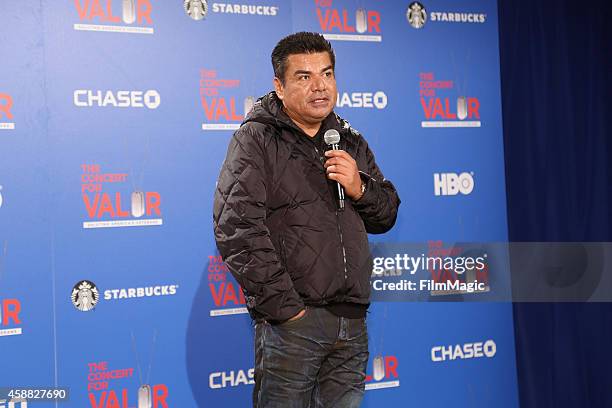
(275, 218)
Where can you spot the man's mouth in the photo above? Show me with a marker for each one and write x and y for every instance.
(319, 100)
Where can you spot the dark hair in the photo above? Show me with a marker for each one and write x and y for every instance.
(299, 43)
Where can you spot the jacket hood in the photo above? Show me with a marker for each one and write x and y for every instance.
(267, 110)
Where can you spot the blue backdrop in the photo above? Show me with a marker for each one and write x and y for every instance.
(114, 121)
(559, 184)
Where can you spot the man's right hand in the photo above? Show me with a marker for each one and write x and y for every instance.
(297, 316)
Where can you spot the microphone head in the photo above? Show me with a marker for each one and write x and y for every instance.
(331, 137)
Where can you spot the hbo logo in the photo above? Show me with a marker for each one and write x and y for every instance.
(453, 184)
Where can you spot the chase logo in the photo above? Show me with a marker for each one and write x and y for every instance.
(223, 379)
(450, 184)
(366, 100)
(85, 98)
(126, 16)
(464, 351)
(6, 116)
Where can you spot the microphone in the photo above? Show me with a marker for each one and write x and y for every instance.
(332, 139)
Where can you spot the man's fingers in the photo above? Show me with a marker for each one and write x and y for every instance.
(338, 153)
(340, 160)
(340, 168)
(334, 160)
(339, 177)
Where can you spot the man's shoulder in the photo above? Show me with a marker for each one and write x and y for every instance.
(255, 136)
(254, 128)
(254, 132)
(349, 133)
(346, 127)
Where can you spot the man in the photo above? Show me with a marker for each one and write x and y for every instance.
(302, 261)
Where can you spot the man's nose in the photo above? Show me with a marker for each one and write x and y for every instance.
(318, 84)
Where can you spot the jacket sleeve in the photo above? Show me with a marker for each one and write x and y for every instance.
(379, 204)
(243, 239)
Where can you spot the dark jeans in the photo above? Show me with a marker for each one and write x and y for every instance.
(316, 361)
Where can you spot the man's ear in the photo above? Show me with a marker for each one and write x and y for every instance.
(278, 87)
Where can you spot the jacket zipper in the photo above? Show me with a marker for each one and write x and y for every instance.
(283, 253)
(339, 228)
(342, 245)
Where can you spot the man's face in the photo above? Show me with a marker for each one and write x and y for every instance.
(309, 93)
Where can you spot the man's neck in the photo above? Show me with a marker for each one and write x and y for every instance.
(310, 129)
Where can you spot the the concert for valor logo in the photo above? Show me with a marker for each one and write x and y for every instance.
(125, 16)
(85, 295)
(348, 24)
(6, 116)
(114, 200)
(223, 101)
(112, 387)
(447, 103)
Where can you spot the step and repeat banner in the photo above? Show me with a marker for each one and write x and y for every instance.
(115, 117)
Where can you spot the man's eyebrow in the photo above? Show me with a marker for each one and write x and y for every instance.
(300, 71)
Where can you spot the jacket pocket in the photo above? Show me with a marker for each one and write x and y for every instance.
(288, 322)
